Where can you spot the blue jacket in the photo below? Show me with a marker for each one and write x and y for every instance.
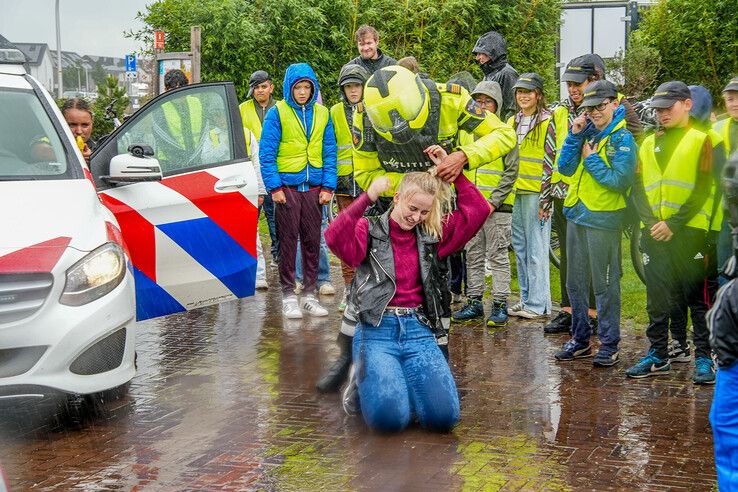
(618, 176)
(271, 135)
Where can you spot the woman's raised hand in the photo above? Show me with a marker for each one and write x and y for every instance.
(378, 186)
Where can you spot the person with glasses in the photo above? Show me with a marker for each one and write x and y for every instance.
(599, 158)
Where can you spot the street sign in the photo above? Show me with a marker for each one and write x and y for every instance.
(159, 40)
(131, 63)
(131, 75)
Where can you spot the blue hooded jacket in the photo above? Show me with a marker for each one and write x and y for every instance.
(618, 176)
(271, 135)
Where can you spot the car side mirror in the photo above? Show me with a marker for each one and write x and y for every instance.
(134, 167)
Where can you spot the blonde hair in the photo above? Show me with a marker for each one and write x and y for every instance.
(427, 182)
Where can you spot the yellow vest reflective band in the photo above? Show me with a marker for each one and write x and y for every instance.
(295, 151)
(174, 121)
(530, 171)
(343, 140)
(487, 176)
(250, 118)
(584, 187)
(668, 191)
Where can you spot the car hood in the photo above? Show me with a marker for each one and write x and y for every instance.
(41, 219)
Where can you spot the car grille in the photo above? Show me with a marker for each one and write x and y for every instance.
(105, 355)
(22, 294)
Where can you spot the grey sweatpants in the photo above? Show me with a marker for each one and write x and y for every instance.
(492, 241)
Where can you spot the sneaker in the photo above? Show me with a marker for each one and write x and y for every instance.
(650, 365)
(327, 289)
(290, 309)
(261, 283)
(560, 324)
(498, 316)
(473, 310)
(518, 306)
(704, 371)
(342, 304)
(525, 313)
(350, 395)
(605, 359)
(574, 350)
(311, 306)
(679, 352)
(298, 288)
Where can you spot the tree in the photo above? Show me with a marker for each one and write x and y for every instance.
(636, 70)
(696, 40)
(110, 94)
(240, 36)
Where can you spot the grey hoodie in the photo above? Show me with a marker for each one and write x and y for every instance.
(510, 164)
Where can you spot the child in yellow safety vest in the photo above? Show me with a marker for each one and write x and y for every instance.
(672, 193)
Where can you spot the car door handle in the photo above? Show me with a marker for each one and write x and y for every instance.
(230, 183)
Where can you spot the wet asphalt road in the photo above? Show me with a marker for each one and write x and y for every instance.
(224, 400)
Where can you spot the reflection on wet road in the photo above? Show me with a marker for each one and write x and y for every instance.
(224, 399)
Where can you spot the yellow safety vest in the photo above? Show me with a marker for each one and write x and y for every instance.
(343, 140)
(487, 176)
(295, 151)
(250, 118)
(174, 121)
(584, 187)
(530, 171)
(668, 191)
(717, 212)
(561, 120)
(247, 136)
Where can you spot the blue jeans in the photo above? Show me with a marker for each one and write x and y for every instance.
(530, 241)
(595, 255)
(724, 421)
(324, 269)
(268, 208)
(401, 372)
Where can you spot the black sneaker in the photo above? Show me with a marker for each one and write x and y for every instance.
(472, 311)
(574, 350)
(679, 352)
(605, 360)
(560, 324)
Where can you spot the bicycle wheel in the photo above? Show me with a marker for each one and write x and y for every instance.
(554, 245)
(332, 208)
(636, 257)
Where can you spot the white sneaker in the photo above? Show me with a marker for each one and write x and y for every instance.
(515, 308)
(327, 289)
(261, 283)
(311, 306)
(290, 309)
(298, 288)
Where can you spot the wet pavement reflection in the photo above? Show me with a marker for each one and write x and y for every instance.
(224, 399)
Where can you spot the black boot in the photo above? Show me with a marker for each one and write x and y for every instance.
(336, 375)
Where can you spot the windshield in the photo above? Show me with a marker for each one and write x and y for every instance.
(30, 147)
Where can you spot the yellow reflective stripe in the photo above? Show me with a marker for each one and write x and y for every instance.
(530, 176)
(490, 171)
(670, 182)
(531, 159)
(344, 147)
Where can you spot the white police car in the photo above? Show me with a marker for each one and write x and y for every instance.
(162, 221)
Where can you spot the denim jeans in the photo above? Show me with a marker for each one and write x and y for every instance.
(268, 208)
(724, 422)
(324, 269)
(596, 261)
(530, 241)
(401, 372)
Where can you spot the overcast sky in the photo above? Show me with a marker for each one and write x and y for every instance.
(88, 27)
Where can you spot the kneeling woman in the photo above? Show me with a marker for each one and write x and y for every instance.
(398, 291)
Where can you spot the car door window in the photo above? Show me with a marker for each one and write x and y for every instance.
(188, 130)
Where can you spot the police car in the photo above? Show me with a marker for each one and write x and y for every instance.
(163, 220)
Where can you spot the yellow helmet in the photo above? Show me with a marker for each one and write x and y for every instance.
(396, 102)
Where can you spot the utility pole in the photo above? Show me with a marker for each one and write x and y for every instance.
(195, 44)
(59, 88)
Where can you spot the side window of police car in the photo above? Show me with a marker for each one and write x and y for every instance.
(187, 130)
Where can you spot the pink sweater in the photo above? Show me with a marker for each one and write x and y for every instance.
(347, 237)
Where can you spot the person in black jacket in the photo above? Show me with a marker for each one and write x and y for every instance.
(370, 56)
(490, 52)
(722, 320)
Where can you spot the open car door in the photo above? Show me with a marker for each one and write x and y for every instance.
(178, 179)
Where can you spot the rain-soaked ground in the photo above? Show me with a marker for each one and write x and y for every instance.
(224, 400)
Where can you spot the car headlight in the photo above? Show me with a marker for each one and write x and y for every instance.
(94, 275)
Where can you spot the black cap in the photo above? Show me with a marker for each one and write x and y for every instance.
(530, 81)
(257, 78)
(598, 91)
(579, 69)
(732, 85)
(670, 92)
